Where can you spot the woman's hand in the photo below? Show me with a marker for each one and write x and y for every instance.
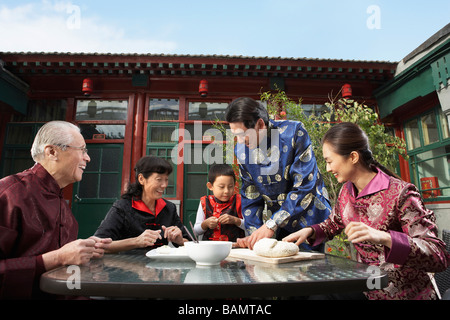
(147, 238)
(359, 232)
(173, 234)
(300, 236)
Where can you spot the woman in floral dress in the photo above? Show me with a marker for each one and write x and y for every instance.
(382, 215)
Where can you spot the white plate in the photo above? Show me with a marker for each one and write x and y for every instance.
(174, 254)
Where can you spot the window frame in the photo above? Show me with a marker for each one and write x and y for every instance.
(103, 122)
(10, 147)
(414, 153)
(168, 146)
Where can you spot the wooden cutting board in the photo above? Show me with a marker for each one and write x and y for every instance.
(240, 253)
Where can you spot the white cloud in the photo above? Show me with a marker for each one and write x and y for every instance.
(60, 26)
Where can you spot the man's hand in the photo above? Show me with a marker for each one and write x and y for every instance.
(262, 232)
(76, 252)
(101, 244)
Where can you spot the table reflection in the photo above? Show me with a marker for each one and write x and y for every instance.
(135, 275)
(138, 268)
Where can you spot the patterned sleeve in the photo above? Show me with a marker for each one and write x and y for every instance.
(426, 250)
(331, 227)
(307, 201)
(252, 201)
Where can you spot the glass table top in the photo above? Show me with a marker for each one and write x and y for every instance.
(134, 271)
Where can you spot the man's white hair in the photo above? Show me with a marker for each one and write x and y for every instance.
(52, 133)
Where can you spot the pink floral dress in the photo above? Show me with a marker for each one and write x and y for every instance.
(394, 206)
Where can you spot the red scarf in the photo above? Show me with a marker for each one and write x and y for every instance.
(214, 207)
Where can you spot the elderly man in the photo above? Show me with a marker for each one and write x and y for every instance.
(37, 229)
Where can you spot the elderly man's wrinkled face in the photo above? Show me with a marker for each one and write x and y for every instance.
(72, 161)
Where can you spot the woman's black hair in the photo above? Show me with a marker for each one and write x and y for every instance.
(248, 111)
(146, 166)
(346, 137)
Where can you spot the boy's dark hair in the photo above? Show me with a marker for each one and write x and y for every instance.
(218, 170)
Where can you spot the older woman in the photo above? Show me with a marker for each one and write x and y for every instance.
(142, 218)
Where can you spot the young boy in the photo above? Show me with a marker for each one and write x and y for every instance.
(219, 215)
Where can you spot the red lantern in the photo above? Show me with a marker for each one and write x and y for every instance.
(88, 86)
(203, 88)
(346, 91)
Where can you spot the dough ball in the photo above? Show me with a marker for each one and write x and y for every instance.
(170, 250)
(273, 248)
(164, 250)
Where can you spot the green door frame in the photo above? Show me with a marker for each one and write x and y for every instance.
(190, 205)
(89, 205)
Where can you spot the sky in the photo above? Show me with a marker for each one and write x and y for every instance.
(371, 30)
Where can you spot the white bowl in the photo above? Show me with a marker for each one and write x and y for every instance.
(208, 253)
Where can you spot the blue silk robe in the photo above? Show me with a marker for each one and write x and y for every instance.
(281, 174)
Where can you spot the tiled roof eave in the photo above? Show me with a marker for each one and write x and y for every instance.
(193, 65)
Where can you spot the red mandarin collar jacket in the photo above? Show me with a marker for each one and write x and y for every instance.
(34, 219)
